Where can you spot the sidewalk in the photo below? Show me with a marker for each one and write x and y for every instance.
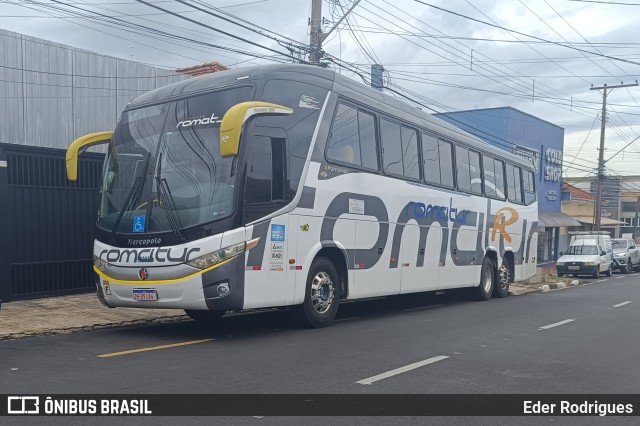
(66, 314)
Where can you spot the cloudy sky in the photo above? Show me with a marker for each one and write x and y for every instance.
(539, 56)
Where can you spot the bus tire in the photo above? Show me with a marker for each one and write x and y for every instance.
(322, 295)
(485, 289)
(503, 279)
(205, 317)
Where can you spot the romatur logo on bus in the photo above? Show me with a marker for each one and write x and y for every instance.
(159, 255)
(197, 121)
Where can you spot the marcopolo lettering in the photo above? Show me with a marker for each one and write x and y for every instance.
(144, 242)
(159, 255)
(436, 212)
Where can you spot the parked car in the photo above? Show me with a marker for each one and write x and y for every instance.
(584, 257)
(626, 255)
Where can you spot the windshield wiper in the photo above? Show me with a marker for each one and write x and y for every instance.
(134, 193)
(167, 200)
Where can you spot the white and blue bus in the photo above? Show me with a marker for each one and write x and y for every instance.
(291, 185)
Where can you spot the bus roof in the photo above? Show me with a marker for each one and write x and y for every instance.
(329, 80)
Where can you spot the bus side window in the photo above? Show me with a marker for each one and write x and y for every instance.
(266, 181)
(279, 169)
(475, 174)
(513, 184)
(437, 158)
(498, 168)
(493, 177)
(489, 176)
(259, 172)
(368, 142)
(391, 147)
(462, 165)
(445, 150)
(529, 187)
(353, 138)
(410, 159)
(431, 160)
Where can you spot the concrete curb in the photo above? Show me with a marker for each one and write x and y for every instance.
(130, 323)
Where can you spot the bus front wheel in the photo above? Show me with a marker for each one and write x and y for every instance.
(322, 295)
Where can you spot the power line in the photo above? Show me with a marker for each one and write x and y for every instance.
(214, 29)
(526, 35)
(137, 28)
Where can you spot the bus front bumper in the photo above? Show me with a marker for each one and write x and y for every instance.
(219, 288)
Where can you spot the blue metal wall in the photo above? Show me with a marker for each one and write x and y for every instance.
(517, 132)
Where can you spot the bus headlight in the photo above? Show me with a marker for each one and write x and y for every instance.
(215, 257)
(103, 265)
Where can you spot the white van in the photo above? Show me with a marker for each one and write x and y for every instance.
(584, 256)
(603, 240)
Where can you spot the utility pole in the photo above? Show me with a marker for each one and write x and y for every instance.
(600, 178)
(635, 222)
(316, 37)
(315, 32)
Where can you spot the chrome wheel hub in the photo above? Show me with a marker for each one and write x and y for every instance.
(322, 292)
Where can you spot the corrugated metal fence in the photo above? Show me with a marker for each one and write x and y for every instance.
(46, 222)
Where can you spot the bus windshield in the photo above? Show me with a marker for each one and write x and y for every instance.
(164, 171)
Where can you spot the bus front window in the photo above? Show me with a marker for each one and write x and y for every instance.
(164, 171)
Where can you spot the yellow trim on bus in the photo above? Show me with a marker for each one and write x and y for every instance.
(80, 144)
(172, 281)
(236, 116)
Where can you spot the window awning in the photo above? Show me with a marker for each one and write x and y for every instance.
(603, 220)
(556, 219)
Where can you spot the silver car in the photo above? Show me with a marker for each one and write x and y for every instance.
(626, 255)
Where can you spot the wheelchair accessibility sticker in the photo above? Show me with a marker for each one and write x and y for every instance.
(138, 224)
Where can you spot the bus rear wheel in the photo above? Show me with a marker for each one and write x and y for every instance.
(485, 289)
(322, 295)
(205, 317)
(501, 288)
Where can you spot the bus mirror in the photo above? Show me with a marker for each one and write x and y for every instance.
(234, 119)
(79, 145)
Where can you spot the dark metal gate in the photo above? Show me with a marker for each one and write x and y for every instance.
(46, 222)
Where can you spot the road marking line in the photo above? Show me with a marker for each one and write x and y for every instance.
(621, 304)
(600, 281)
(402, 370)
(154, 348)
(617, 278)
(555, 324)
(422, 307)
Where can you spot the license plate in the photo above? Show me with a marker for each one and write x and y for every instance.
(145, 294)
(574, 268)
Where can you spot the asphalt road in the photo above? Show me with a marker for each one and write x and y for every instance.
(584, 339)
